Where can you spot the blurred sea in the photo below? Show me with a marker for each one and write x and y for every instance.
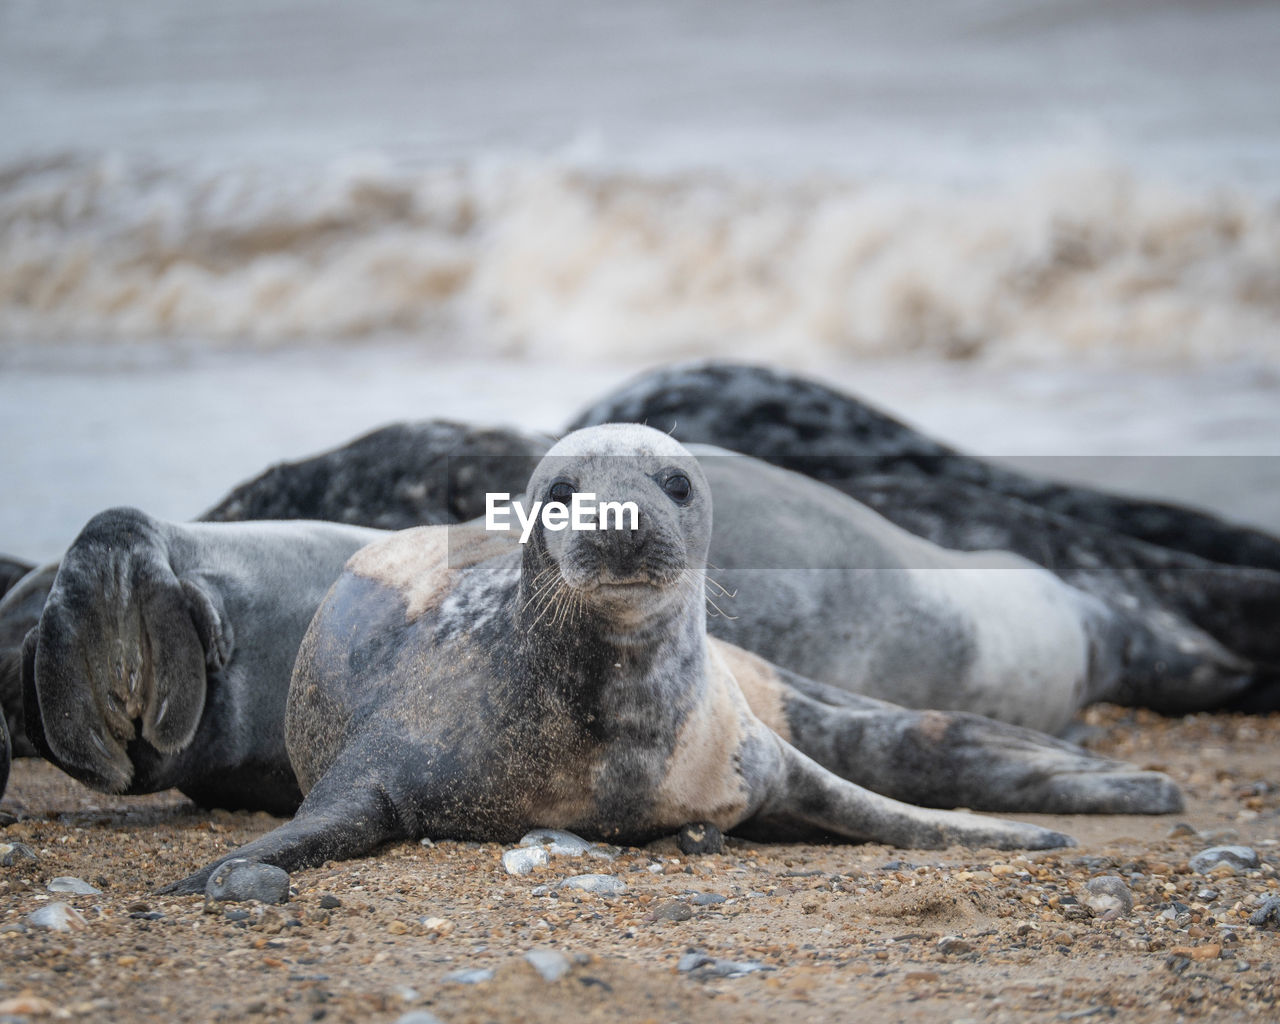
(235, 232)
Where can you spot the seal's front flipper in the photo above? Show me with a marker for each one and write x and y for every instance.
(347, 814)
(955, 759)
(804, 798)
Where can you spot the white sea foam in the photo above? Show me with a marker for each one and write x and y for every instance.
(545, 258)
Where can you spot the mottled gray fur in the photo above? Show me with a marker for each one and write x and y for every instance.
(159, 654)
(462, 686)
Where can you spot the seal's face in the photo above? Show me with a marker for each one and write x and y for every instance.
(650, 507)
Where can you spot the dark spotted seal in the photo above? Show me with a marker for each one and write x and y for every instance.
(814, 429)
(455, 683)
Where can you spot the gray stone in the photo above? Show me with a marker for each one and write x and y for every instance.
(73, 885)
(1108, 893)
(557, 842)
(549, 963)
(525, 859)
(1241, 858)
(57, 917)
(418, 1017)
(706, 899)
(605, 885)
(702, 965)
(950, 945)
(239, 880)
(671, 911)
(470, 976)
(699, 838)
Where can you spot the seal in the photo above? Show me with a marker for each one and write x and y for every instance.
(20, 611)
(401, 475)
(814, 429)
(159, 653)
(457, 684)
(454, 683)
(132, 598)
(1173, 564)
(12, 570)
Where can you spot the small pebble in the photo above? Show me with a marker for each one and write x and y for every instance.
(549, 963)
(557, 842)
(239, 880)
(25, 1006)
(1241, 858)
(329, 902)
(951, 944)
(418, 1017)
(73, 885)
(470, 975)
(671, 911)
(57, 917)
(524, 859)
(700, 838)
(606, 885)
(1108, 893)
(706, 899)
(17, 853)
(709, 966)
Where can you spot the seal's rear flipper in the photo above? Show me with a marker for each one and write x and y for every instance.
(955, 759)
(806, 798)
(118, 647)
(347, 814)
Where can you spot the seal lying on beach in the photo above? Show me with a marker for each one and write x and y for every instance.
(162, 649)
(114, 645)
(814, 429)
(1162, 561)
(455, 684)
(397, 476)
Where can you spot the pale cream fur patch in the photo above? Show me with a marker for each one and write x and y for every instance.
(760, 685)
(419, 563)
(703, 781)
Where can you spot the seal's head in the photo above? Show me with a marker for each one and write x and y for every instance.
(647, 521)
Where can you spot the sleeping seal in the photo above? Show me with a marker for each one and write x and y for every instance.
(456, 683)
(394, 477)
(161, 652)
(1174, 570)
(814, 429)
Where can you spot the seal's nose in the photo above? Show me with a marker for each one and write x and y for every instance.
(622, 550)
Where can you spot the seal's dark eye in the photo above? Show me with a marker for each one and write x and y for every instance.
(678, 487)
(561, 491)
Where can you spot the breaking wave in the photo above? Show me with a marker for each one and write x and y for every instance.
(546, 258)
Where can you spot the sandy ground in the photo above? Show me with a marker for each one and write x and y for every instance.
(840, 929)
